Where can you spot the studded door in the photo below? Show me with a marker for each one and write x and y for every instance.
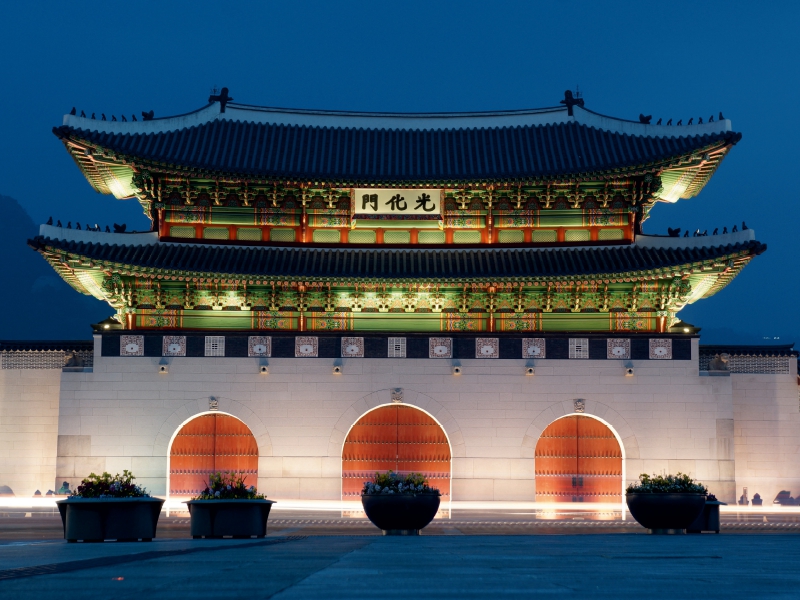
(578, 459)
(208, 444)
(395, 438)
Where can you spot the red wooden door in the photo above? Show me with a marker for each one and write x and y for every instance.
(395, 438)
(208, 444)
(578, 459)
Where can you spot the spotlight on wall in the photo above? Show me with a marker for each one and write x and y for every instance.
(529, 371)
(337, 370)
(457, 370)
(264, 370)
(628, 371)
(163, 369)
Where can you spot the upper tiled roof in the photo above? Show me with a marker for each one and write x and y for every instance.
(368, 263)
(380, 147)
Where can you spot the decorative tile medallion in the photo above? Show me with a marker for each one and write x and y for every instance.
(533, 348)
(487, 347)
(397, 395)
(174, 345)
(661, 349)
(131, 345)
(259, 345)
(440, 348)
(397, 347)
(580, 405)
(353, 347)
(618, 348)
(306, 347)
(215, 345)
(579, 347)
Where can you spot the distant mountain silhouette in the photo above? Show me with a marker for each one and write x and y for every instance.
(35, 303)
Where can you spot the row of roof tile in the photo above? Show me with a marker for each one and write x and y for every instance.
(371, 155)
(370, 263)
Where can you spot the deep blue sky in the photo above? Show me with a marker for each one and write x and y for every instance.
(671, 59)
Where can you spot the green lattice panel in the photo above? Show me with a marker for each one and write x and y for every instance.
(511, 237)
(181, 232)
(216, 233)
(431, 237)
(466, 237)
(248, 234)
(361, 237)
(544, 235)
(397, 237)
(611, 234)
(576, 235)
(327, 236)
(281, 235)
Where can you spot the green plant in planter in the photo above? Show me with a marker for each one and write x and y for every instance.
(228, 486)
(666, 484)
(106, 486)
(394, 483)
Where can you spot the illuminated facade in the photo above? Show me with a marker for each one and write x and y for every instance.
(323, 294)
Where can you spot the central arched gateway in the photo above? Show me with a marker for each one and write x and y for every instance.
(398, 438)
(207, 444)
(578, 459)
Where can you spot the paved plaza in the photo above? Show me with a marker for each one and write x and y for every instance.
(314, 557)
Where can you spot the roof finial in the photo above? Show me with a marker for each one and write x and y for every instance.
(148, 116)
(223, 98)
(569, 101)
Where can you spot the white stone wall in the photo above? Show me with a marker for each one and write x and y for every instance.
(29, 401)
(124, 414)
(767, 434)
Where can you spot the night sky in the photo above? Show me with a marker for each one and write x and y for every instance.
(672, 60)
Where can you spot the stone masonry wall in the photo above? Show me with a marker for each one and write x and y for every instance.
(124, 414)
(767, 434)
(29, 401)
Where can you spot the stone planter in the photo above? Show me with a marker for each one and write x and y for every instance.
(666, 513)
(400, 514)
(99, 519)
(229, 518)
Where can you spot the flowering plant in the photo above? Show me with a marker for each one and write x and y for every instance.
(394, 483)
(666, 484)
(228, 486)
(106, 486)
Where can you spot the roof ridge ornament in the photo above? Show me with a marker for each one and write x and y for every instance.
(569, 101)
(223, 98)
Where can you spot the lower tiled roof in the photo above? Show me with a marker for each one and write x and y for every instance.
(368, 263)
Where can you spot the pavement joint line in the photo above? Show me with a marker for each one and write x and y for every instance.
(108, 561)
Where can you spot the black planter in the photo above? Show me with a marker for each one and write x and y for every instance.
(662, 513)
(233, 518)
(400, 514)
(708, 519)
(99, 519)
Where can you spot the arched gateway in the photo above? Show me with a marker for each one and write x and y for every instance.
(207, 444)
(578, 459)
(399, 438)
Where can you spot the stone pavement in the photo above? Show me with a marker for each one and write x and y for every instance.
(446, 566)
